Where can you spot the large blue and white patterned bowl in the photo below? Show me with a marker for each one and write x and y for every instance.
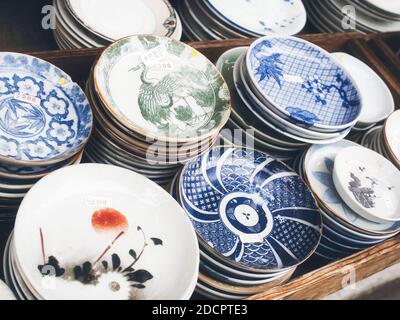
(45, 118)
(250, 209)
(304, 83)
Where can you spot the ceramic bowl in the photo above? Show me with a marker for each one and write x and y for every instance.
(236, 201)
(377, 100)
(117, 229)
(303, 83)
(368, 183)
(45, 118)
(196, 98)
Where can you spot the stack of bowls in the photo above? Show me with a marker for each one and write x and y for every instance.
(224, 19)
(255, 219)
(158, 103)
(90, 24)
(385, 139)
(96, 239)
(292, 91)
(45, 121)
(366, 16)
(347, 229)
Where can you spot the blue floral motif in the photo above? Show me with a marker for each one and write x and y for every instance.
(61, 131)
(55, 106)
(28, 85)
(250, 208)
(5, 86)
(303, 116)
(39, 149)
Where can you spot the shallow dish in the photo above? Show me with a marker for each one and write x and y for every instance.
(243, 206)
(368, 183)
(124, 256)
(261, 17)
(303, 82)
(5, 292)
(377, 100)
(121, 18)
(162, 89)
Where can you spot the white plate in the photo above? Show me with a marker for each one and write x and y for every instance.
(113, 20)
(368, 183)
(260, 17)
(389, 6)
(392, 135)
(377, 100)
(5, 292)
(75, 226)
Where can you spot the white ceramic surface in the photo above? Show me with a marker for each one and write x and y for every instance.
(377, 100)
(97, 209)
(392, 135)
(5, 292)
(368, 183)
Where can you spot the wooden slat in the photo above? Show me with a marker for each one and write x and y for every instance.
(327, 280)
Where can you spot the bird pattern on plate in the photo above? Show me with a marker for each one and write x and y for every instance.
(250, 208)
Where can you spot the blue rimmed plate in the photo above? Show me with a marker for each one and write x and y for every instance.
(250, 209)
(44, 117)
(303, 83)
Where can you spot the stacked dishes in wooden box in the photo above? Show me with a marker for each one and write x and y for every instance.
(290, 93)
(255, 219)
(224, 19)
(45, 121)
(104, 233)
(158, 103)
(89, 23)
(344, 195)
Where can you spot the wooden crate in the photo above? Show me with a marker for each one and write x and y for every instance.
(326, 279)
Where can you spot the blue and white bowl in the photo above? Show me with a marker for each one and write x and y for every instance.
(45, 118)
(303, 83)
(250, 209)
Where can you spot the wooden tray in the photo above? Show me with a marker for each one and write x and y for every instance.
(326, 279)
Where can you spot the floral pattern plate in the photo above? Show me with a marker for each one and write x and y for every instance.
(304, 83)
(318, 168)
(44, 118)
(250, 209)
(162, 89)
(260, 17)
(102, 236)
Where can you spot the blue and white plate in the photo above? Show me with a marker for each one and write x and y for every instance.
(304, 83)
(250, 209)
(44, 117)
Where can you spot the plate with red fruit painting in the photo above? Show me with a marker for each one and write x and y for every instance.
(97, 232)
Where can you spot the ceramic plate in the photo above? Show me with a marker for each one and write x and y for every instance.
(44, 118)
(304, 83)
(318, 167)
(162, 89)
(389, 6)
(5, 292)
(368, 183)
(121, 18)
(260, 17)
(238, 202)
(377, 100)
(102, 235)
(392, 135)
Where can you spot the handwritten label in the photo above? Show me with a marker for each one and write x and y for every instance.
(293, 78)
(166, 65)
(27, 98)
(102, 202)
(153, 56)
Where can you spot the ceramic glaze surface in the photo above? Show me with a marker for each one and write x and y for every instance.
(303, 82)
(121, 18)
(250, 208)
(102, 235)
(285, 17)
(162, 88)
(39, 120)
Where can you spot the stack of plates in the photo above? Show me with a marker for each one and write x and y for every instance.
(105, 233)
(386, 139)
(98, 23)
(366, 16)
(291, 92)
(158, 103)
(45, 121)
(224, 19)
(255, 219)
(347, 229)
